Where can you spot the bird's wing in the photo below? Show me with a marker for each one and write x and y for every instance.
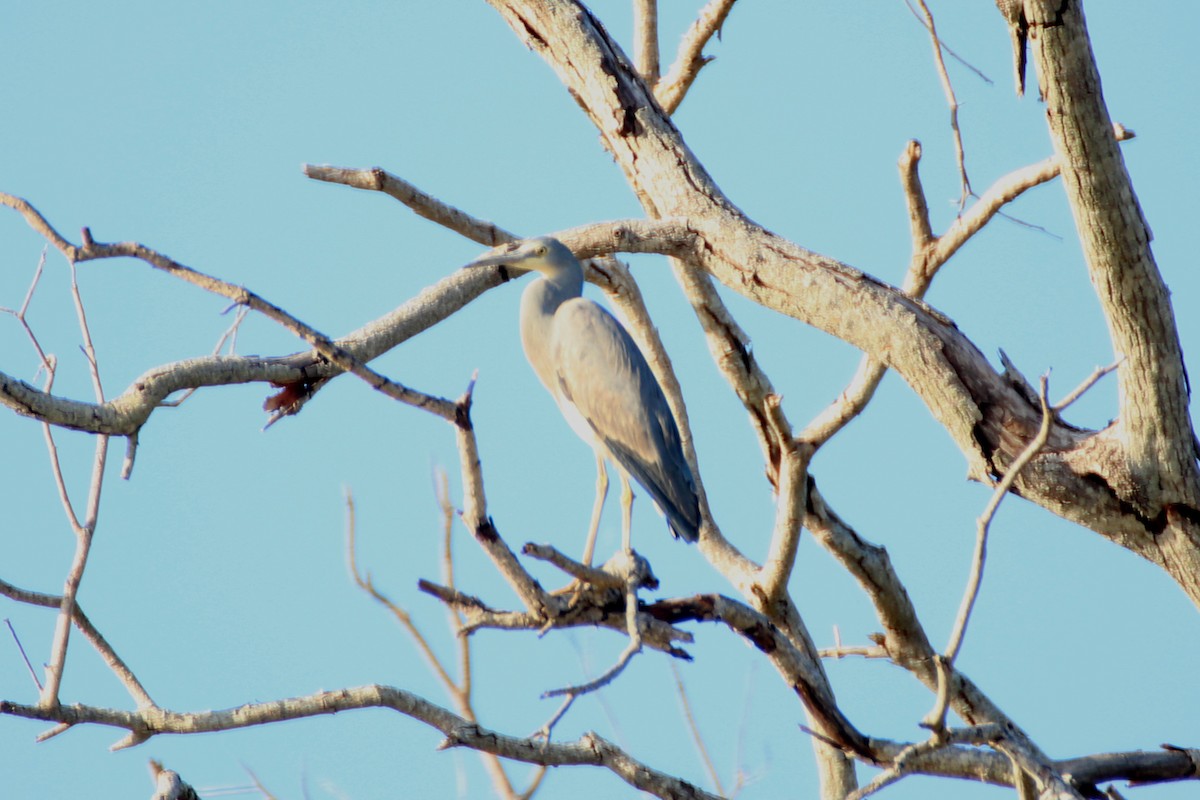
(606, 378)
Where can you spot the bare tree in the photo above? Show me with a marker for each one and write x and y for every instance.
(1134, 482)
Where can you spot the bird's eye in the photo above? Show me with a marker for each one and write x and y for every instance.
(541, 251)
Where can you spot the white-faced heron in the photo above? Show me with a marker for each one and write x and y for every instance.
(602, 385)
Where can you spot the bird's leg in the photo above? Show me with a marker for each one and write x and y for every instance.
(578, 586)
(601, 493)
(633, 577)
(626, 514)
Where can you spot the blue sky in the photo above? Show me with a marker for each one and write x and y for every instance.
(218, 571)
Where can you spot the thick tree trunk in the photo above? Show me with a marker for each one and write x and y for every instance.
(1153, 463)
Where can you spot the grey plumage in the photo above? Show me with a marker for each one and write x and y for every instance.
(600, 380)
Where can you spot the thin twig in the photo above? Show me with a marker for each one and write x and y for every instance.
(631, 649)
(89, 349)
(57, 730)
(364, 582)
(259, 786)
(229, 336)
(60, 482)
(107, 653)
(988, 205)
(949, 51)
(991, 204)
(1002, 488)
(944, 662)
(84, 532)
(44, 361)
(952, 102)
(21, 649)
(694, 728)
(460, 691)
(547, 728)
(1088, 383)
(454, 616)
(984, 523)
(37, 275)
(741, 777)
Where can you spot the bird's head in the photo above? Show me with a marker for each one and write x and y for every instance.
(543, 254)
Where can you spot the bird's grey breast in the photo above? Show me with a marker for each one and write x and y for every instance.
(539, 302)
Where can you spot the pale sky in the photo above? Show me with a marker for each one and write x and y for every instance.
(218, 570)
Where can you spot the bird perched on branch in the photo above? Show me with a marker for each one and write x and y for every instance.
(603, 386)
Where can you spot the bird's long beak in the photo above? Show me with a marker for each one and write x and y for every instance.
(487, 260)
(497, 256)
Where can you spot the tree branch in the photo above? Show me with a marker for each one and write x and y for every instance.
(904, 636)
(1155, 427)
(481, 526)
(802, 673)
(93, 635)
(423, 204)
(589, 749)
(645, 34)
(986, 418)
(690, 58)
(83, 532)
(984, 524)
(951, 101)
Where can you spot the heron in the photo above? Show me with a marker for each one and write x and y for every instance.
(602, 385)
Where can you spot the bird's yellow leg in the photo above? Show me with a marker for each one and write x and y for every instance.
(601, 493)
(626, 513)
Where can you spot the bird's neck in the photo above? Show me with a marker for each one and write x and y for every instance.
(539, 302)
